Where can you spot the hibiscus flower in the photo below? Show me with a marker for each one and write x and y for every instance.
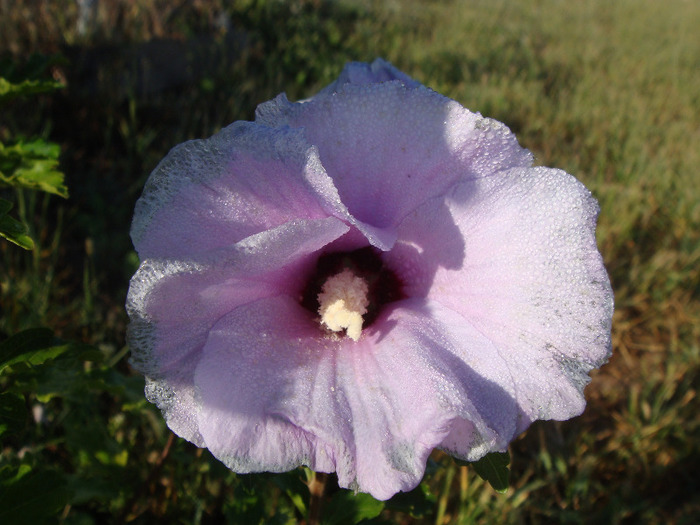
(351, 281)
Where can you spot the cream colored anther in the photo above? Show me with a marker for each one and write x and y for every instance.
(342, 303)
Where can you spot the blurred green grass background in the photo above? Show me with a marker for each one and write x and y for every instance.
(609, 91)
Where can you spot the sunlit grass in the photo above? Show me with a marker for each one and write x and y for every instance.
(609, 91)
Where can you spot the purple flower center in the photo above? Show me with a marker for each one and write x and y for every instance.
(345, 274)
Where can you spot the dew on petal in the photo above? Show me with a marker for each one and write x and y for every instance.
(383, 218)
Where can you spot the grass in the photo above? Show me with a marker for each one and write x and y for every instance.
(606, 90)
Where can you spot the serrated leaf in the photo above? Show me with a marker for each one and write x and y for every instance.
(13, 414)
(10, 90)
(33, 346)
(40, 174)
(32, 165)
(494, 469)
(346, 508)
(39, 148)
(13, 230)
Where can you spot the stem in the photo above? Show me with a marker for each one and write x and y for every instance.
(463, 492)
(317, 487)
(445, 496)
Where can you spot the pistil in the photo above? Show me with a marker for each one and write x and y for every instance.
(342, 303)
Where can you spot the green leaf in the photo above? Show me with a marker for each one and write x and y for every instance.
(13, 230)
(29, 497)
(293, 486)
(32, 165)
(418, 503)
(32, 68)
(33, 346)
(10, 90)
(13, 414)
(494, 469)
(346, 508)
(39, 148)
(93, 487)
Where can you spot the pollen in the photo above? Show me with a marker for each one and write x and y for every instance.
(342, 303)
